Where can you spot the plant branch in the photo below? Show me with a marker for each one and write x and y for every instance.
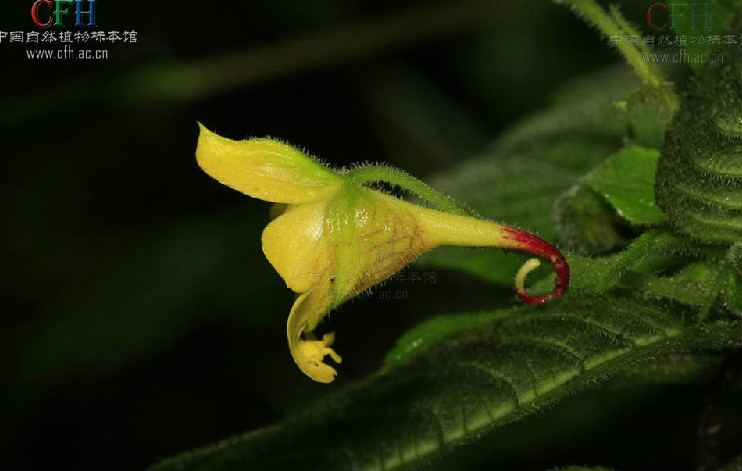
(615, 26)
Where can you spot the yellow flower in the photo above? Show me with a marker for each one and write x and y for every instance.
(332, 237)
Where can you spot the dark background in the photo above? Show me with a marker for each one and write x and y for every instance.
(139, 315)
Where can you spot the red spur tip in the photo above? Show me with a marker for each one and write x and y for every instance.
(529, 243)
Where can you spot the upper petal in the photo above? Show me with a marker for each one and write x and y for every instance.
(265, 168)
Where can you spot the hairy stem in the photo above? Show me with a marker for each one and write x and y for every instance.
(381, 173)
(615, 26)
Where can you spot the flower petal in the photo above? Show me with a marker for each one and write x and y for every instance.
(297, 244)
(353, 241)
(309, 354)
(265, 168)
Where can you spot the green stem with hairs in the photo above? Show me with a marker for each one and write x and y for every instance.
(628, 29)
(381, 173)
(617, 26)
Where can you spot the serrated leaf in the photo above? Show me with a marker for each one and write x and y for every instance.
(626, 180)
(472, 381)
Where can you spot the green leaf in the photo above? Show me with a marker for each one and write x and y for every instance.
(732, 280)
(696, 285)
(587, 223)
(432, 331)
(674, 369)
(699, 176)
(655, 245)
(502, 367)
(626, 180)
(733, 293)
